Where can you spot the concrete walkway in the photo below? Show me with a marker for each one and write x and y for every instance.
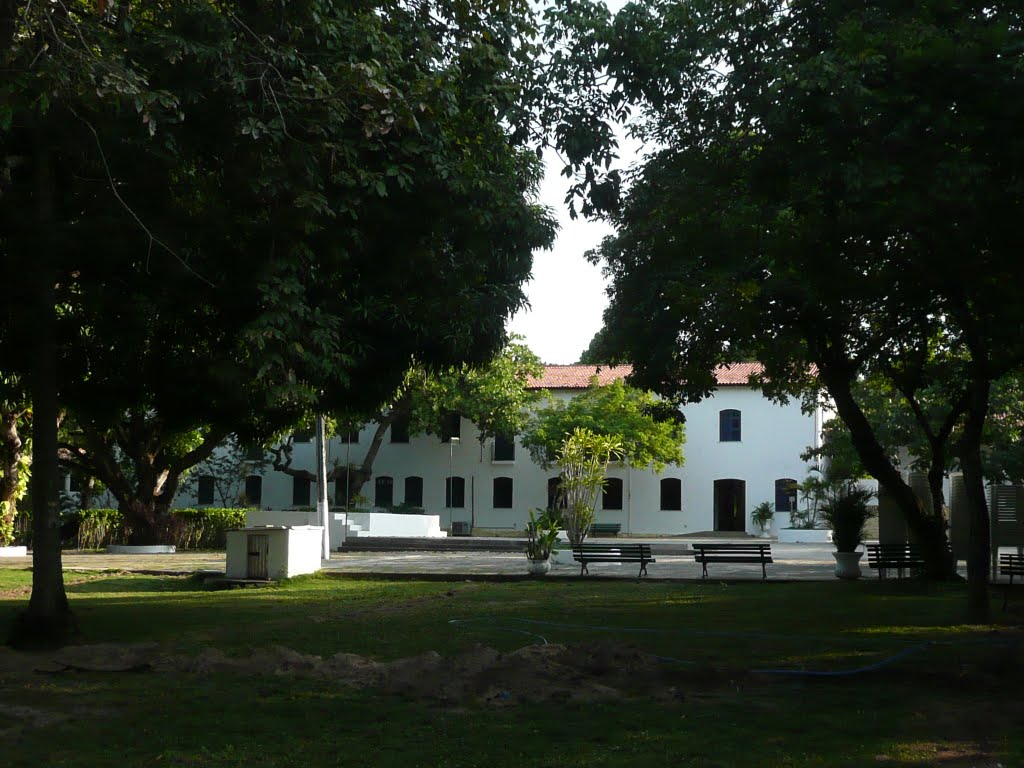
(792, 562)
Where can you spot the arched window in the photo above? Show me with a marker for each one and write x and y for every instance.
(785, 494)
(253, 490)
(555, 498)
(455, 492)
(671, 494)
(384, 491)
(414, 491)
(729, 425)
(611, 493)
(204, 494)
(503, 493)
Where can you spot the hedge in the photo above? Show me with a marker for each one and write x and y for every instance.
(191, 528)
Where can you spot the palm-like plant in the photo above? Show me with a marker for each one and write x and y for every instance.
(846, 511)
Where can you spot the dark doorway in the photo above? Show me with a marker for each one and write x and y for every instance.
(730, 505)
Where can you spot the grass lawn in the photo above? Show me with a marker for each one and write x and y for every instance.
(632, 674)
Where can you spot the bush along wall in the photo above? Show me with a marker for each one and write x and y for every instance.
(193, 529)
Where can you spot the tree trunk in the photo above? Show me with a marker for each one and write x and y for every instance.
(10, 474)
(978, 553)
(929, 530)
(48, 621)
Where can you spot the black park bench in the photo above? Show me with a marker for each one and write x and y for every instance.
(605, 529)
(587, 553)
(897, 557)
(733, 553)
(1010, 565)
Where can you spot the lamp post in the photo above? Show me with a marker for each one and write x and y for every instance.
(452, 442)
(322, 504)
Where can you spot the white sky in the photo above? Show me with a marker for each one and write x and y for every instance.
(566, 293)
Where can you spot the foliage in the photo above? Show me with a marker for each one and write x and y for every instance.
(647, 431)
(583, 462)
(846, 512)
(542, 533)
(204, 528)
(810, 157)
(15, 452)
(763, 514)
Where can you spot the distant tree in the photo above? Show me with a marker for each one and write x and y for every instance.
(583, 460)
(648, 432)
(596, 352)
(494, 396)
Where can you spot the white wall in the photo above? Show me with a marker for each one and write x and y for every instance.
(773, 437)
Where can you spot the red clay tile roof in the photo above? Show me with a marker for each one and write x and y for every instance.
(579, 376)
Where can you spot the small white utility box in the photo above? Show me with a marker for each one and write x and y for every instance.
(273, 552)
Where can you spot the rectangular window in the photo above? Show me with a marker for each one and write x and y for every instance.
(349, 437)
(451, 427)
(611, 494)
(503, 493)
(400, 430)
(384, 492)
(300, 492)
(304, 435)
(455, 492)
(671, 494)
(204, 495)
(414, 491)
(253, 490)
(504, 448)
(729, 423)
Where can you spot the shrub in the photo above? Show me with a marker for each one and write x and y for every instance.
(185, 528)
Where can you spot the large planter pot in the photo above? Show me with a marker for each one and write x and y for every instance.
(538, 567)
(848, 564)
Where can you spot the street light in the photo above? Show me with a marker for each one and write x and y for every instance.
(452, 442)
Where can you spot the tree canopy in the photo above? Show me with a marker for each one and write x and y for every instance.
(226, 210)
(835, 185)
(646, 431)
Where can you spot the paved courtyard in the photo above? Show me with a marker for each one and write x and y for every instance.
(792, 562)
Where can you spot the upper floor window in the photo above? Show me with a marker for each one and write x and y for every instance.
(303, 435)
(504, 448)
(611, 494)
(384, 491)
(351, 436)
(785, 494)
(451, 426)
(204, 494)
(400, 429)
(729, 425)
(671, 494)
(503, 493)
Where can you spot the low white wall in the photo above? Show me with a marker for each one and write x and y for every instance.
(389, 524)
(805, 536)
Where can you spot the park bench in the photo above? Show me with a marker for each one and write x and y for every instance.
(613, 553)
(1010, 565)
(898, 557)
(605, 529)
(733, 553)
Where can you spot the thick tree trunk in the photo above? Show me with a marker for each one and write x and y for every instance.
(928, 529)
(48, 620)
(10, 474)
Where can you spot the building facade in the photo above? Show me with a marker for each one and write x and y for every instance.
(741, 449)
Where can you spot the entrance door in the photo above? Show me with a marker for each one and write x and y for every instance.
(730, 505)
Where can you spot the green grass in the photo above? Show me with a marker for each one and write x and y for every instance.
(952, 701)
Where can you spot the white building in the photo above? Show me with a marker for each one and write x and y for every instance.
(741, 449)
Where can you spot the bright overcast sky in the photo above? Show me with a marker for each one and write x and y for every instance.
(566, 293)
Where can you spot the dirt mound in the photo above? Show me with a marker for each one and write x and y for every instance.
(579, 672)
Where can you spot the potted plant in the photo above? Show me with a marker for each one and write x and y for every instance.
(542, 534)
(846, 511)
(762, 516)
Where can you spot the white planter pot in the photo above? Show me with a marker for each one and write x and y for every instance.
(13, 551)
(538, 567)
(848, 564)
